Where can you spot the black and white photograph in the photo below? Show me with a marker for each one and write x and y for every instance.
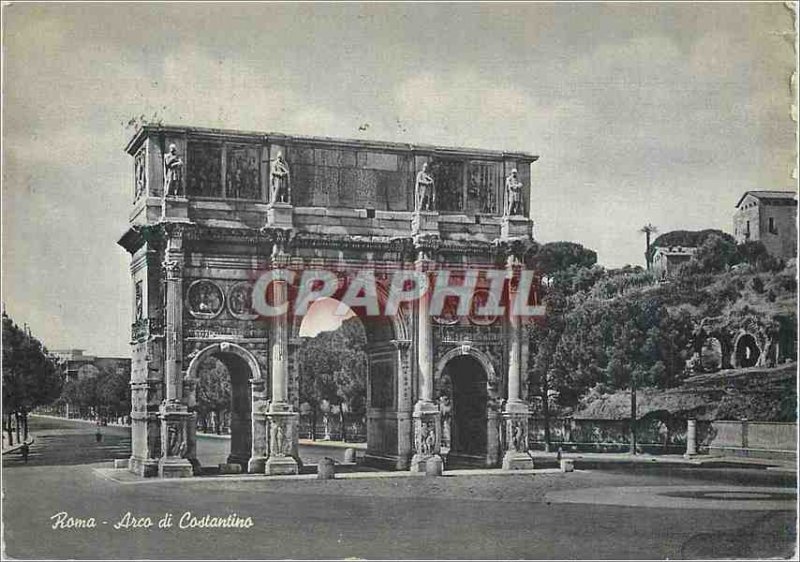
(399, 280)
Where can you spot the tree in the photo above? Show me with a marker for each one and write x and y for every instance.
(691, 238)
(715, 254)
(213, 391)
(648, 231)
(30, 375)
(114, 392)
(559, 256)
(334, 368)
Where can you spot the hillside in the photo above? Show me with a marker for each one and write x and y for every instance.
(755, 393)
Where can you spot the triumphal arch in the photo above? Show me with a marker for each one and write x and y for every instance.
(225, 227)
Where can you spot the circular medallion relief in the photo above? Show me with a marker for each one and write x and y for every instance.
(479, 300)
(240, 301)
(204, 299)
(449, 315)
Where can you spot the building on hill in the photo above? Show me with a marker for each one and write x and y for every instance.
(667, 259)
(77, 365)
(769, 217)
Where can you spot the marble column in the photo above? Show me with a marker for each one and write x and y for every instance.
(426, 416)
(283, 420)
(173, 413)
(516, 411)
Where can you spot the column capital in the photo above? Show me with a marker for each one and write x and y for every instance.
(401, 345)
(173, 268)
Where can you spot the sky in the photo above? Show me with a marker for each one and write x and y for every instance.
(659, 113)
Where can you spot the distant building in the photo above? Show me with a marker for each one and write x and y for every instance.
(666, 259)
(769, 217)
(77, 365)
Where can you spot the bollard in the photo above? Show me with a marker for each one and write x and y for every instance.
(433, 466)
(326, 469)
(691, 438)
(567, 465)
(350, 455)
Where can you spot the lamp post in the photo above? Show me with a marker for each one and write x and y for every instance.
(633, 412)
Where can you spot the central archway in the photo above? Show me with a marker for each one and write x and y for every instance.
(387, 408)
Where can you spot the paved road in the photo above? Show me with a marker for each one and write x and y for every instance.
(412, 517)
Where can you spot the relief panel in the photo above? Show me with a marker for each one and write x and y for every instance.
(242, 173)
(204, 166)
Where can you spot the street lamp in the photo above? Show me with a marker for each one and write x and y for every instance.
(633, 412)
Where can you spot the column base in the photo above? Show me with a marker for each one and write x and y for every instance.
(145, 468)
(281, 466)
(175, 468)
(427, 434)
(280, 215)
(175, 208)
(513, 460)
(257, 465)
(425, 221)
(516, 226)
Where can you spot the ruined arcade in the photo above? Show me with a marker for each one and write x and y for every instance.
(213, 209)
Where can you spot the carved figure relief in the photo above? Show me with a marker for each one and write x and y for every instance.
(483, 182)
(176, 443)
(446, 411)
(279, 181)
(240, 301)
(173, 171)
(139, 301)
(282, 439)
(426, 437)
(449, 176)
(517, 441)
(204, 172)
(205, 299)
(514, 195)
(425, 194)
(242, 173)
(139, 174)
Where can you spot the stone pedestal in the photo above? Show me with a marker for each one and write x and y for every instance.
(280, 215)
(172, 464)
(516, 226)
(175, 208)
(424, 221)
(516, 455)
(434, 466)
(260, 436)
(427, 435)
(283, 436)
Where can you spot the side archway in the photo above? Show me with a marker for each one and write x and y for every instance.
(248, 439)
(466, 384)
